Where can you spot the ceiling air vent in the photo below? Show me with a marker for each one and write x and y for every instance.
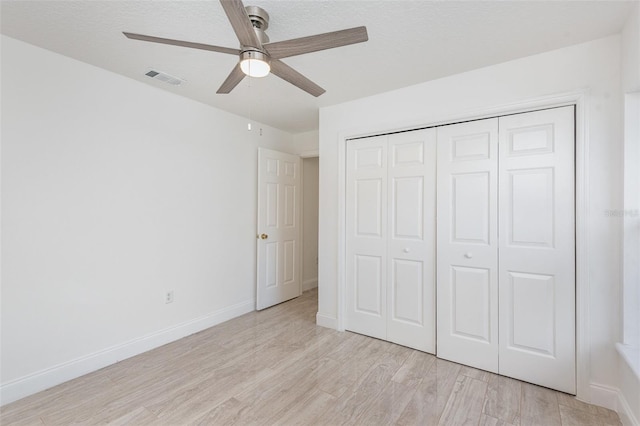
(163, 76)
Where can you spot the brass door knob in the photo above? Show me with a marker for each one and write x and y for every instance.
(263, 236)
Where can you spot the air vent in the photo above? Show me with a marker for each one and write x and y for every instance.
(163, 76)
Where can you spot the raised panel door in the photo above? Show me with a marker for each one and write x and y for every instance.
(366, 239)
(467, 243)
(411, 241)
(278, 272)
(537, 248)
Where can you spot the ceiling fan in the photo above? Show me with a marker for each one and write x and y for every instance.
(257, 55)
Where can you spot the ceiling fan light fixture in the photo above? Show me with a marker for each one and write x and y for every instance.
(254, 63)
(257, 55)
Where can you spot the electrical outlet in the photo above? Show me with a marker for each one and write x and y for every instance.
(168, 297)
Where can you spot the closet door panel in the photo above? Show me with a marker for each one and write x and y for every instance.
(366, 242)
(470, 202)
(411, 243)
(537, 248)
(467, 243)
(470, 302)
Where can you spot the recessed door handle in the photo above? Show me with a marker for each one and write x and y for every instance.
(468, 255)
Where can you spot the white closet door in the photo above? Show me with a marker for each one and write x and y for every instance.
(366, 241)
(537, 248)
(411, 239)
(467, 243)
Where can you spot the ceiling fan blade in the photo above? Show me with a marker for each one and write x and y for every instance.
(241, 23)
(181, 43)
(298, 46)
(232, 80)
(287, 73)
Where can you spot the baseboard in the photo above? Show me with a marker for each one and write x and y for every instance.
(604, 396)
(624, 411)
(326, 321)
(47, 378)
(309, 284)
(613, 399)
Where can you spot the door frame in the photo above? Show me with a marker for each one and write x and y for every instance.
(578, 98)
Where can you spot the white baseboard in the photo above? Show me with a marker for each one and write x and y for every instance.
(604, 396)
(47, 378)
(626, 414)
(326, 321)
(613, 399)
(309, 284)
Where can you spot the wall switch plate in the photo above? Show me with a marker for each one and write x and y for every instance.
(168, 297)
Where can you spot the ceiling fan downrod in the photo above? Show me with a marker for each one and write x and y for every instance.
(260, 22)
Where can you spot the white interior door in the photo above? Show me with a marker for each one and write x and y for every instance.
(366, 243)
(467, 243)
(411, 239)
(537, 248)
(390, 245)
(278, 253)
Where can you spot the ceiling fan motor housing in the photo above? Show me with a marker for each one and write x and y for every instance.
(260, 21)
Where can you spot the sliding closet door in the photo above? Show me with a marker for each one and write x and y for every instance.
(467, 243)
(366, 242)
(537, 248)
(412, 239)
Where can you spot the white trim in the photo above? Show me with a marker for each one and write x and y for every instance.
(630, 296)
(326, 321)
(341, 292)
(583, 236)
(580, 100)
(603, 395)
(309, 284)
(310, 154)
(301, 225)
(624, 411)
(613, 399)
(49, 377)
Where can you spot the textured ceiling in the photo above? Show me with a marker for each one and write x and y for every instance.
(409, 42)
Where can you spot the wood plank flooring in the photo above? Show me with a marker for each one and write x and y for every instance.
(276, 367)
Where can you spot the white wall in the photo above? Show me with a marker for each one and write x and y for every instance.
(113, 192)
(310, 223)
(631, 52)
(593, 66)
(628, 377)
(306, 144)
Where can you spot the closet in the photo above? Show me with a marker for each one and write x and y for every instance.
(495, 275)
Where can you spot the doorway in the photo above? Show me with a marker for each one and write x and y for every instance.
(310, 192)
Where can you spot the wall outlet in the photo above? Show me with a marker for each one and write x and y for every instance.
(168, 297)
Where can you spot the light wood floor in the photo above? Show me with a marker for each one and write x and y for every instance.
(278, 367)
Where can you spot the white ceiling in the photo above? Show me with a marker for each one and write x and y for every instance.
(409, 42)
